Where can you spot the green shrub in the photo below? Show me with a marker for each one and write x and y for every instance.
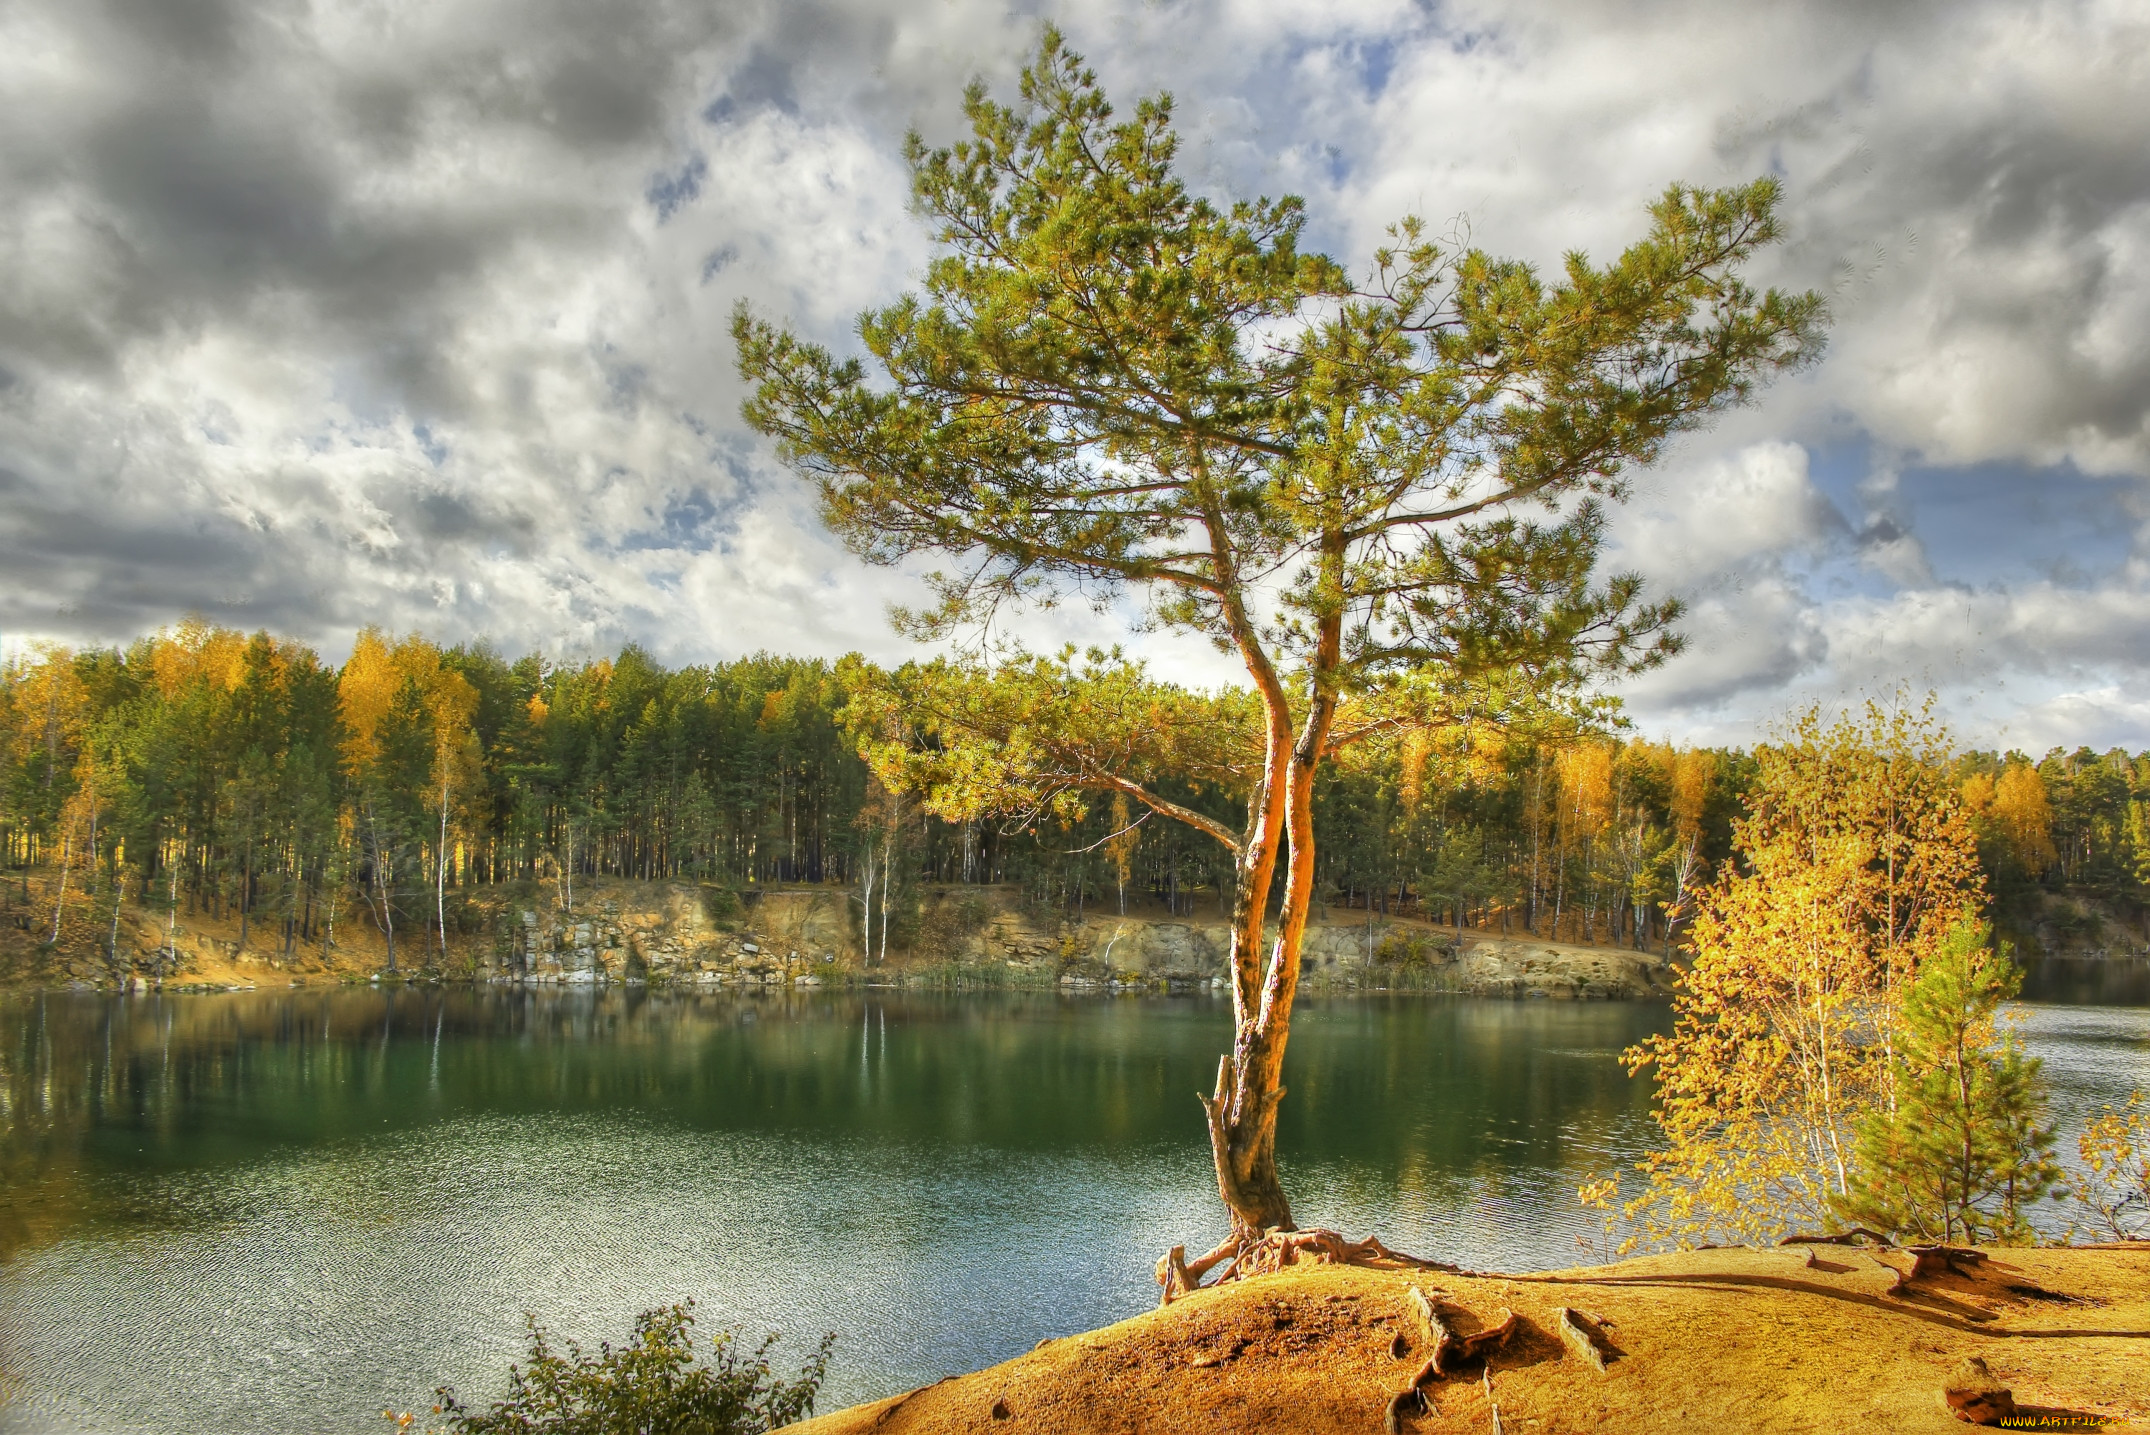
(721, 906)
(1400, 949)
(940, 928)
(653, 1385)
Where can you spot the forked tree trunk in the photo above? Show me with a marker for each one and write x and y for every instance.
(1242, 1111)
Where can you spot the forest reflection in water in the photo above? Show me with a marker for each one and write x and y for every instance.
(283, 1210)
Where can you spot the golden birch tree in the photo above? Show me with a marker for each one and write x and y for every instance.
(1854, 861)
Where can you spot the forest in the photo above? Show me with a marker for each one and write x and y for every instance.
(205, 769)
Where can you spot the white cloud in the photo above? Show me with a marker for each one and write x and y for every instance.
(1714, 523)
(316, 315)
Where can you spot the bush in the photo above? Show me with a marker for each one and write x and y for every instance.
(942, 927)
(1398, 949)
(653, 1385)
(721, 906)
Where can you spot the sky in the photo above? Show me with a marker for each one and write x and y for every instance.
(315, 315)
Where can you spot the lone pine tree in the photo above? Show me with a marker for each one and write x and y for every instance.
(1376, 493)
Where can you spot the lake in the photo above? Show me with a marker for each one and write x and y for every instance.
(280, 1211)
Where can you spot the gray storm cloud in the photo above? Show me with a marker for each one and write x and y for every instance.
(317, 315)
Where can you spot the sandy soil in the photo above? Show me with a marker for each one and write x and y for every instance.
(1729, 1340)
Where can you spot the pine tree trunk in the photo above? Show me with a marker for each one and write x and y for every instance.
(1242, 1111)
(246, 893)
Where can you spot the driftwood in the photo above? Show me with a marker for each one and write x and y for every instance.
(1579, 1336)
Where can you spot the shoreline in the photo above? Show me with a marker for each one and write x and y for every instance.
(1801, 1337)
(677, 934)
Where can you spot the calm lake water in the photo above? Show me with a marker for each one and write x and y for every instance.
(286, 1211)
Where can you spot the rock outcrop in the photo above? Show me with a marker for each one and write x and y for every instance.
(684, 932)
(668, 933)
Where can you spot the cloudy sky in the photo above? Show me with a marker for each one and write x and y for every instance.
(321, 314)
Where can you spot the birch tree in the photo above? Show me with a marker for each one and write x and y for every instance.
(1108, 384)
(1855, 862)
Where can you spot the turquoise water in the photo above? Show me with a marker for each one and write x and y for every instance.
(287, 1211)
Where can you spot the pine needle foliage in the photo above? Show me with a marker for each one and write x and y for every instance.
(1959, 1155)
(1385, 489)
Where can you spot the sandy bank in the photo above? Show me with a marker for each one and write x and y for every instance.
(1732, 1340)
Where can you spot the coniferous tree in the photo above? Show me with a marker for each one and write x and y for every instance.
(1110, 382)
(1959, 1154)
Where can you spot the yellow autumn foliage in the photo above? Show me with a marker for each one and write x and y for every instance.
(1855, 858)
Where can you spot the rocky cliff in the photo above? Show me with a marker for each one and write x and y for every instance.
(679, 933)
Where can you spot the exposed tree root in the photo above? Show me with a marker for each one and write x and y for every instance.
(1975, 1397)
(1271, 1251)
(1433, 1332)
(905, 1399)
(1930, 1261)
(1414, 1396)
(1445, 1352)
(1941, 1260)
(1580, 1337)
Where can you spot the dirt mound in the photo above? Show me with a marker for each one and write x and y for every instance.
(1795, 1338)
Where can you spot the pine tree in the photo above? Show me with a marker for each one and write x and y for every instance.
(1376, 493)
(1960, 1154)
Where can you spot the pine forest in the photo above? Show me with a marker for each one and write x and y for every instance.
(203, 769)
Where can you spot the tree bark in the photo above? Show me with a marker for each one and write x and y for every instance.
(1242, 1110)
(246, 892)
